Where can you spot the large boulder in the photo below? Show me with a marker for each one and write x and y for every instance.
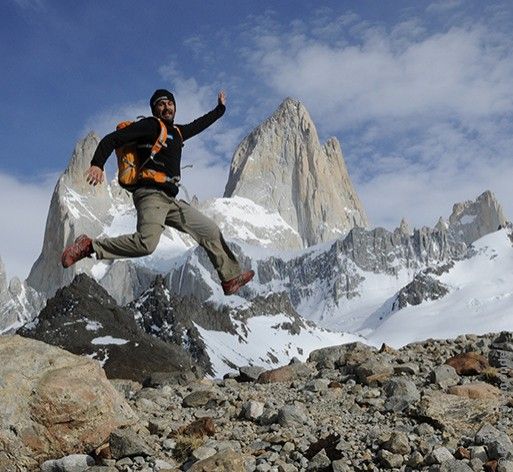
(54, 403)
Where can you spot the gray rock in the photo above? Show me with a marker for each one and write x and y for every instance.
(478, 452)
(290, 415)
(444, 376)
(390, 460)
(374, 371)
(398, 443)
(126, 443)
(250, 373)
(505, 466)
(501, 358)
(203, 453)
(72, 463)
(198, 398)
(317, 385)
(453, 465)
(439, 455)
(498, 443)
(319, 462)
(252, 410)
(401, 393)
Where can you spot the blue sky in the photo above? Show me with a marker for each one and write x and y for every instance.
(417, 92)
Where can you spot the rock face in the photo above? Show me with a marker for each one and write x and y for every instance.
(53, 404)
(473, 219)
(68, 217)
(282, 166)
(84, 319)
(19, 303)
(211, 334)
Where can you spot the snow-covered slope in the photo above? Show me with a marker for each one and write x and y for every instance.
(480, 299)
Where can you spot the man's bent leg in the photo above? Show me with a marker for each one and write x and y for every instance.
(208, 235)
(152, 208)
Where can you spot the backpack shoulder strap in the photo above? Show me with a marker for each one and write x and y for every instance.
(161, 140)
(179, 132)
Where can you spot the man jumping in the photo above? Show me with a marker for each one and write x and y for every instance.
(156, 202)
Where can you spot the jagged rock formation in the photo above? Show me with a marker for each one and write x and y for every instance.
(322, 280)
(282, 166)
(472, 220)
(173, 319)
(18, 302)
(82, 318)
(422, 288)
(189, 323)
(69, 215)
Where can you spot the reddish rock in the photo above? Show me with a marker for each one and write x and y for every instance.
(462, 453)
(286, 373)
(200, 428)
(468, 363)
(491, 466)
(475, 391)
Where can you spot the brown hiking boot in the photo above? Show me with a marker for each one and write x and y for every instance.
(232, 286)
(82, 247)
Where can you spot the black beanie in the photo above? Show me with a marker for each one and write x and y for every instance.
(161, 94)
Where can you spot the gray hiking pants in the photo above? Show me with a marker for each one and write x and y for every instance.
(155, 209)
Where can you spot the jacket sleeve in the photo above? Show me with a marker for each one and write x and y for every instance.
(201, 123)
(139, 129)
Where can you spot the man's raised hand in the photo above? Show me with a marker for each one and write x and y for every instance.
(94, 175)
(221, 98)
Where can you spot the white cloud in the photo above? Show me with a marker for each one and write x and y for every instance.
(24, 221)
(424, 116)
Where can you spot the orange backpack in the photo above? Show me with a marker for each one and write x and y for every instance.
(130, 168)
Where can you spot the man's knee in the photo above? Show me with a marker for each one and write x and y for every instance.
(146, 245)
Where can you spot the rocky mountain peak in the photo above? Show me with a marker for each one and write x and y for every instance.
(80, 161)
(282, 166)
(474, 219)
(75, 208)
(84, 319)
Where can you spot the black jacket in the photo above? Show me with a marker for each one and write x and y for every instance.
(145, 132)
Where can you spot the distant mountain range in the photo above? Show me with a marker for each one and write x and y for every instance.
(291, 213)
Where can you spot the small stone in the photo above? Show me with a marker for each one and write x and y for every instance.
(319, 461)
(317, 385)
(398, 443)
(252, 410)
(290, 415)
(478, 452)
(453, 465)
(168, 444)
(505, 466)
(444, 376)
(198, 398)
(250, 373)
(203, 453)
(126, 443)
(390, 460)
(439, 455)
